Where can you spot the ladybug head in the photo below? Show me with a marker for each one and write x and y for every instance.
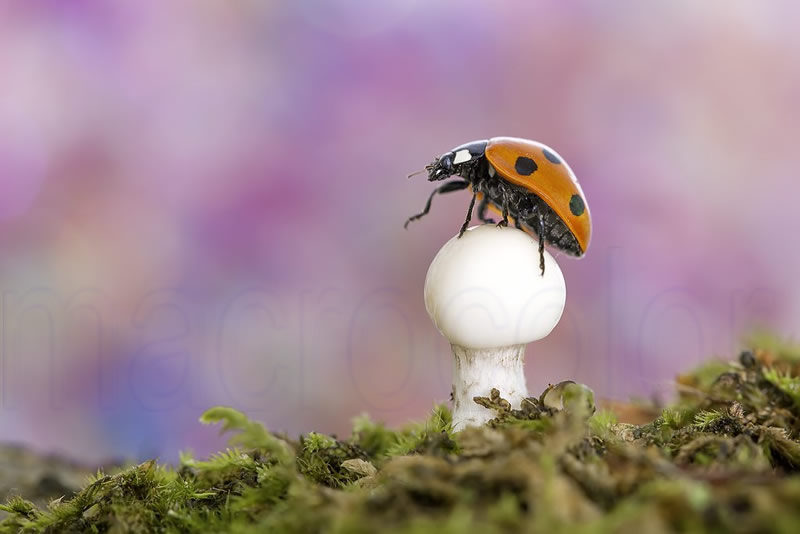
(453, 162)
(441, 168)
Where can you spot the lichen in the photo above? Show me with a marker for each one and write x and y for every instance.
(723, 458)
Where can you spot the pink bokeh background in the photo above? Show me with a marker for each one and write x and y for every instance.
(203, 202)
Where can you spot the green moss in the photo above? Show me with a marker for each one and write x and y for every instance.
(677, 417)
(785, 350)
(602, 423)
(788, 384)
(724, 458)
(704, 419)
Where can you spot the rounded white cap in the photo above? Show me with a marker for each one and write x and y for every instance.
(485, 289)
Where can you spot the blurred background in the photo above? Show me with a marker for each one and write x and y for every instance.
(203, 202)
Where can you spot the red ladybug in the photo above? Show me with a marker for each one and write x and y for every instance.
(522, 180)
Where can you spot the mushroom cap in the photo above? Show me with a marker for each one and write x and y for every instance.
(485, 289)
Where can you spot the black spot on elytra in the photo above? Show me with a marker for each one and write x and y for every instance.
(525, 166)
(552, 158)
(576, 205)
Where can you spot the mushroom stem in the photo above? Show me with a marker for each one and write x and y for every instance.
(476, 372)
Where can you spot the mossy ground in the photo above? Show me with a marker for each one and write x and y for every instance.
(724, 458)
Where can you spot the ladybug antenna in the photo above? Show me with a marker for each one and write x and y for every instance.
(416, 173)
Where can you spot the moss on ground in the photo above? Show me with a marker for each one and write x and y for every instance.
(724, 458)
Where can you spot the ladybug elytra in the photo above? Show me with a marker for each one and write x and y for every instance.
(519, 179)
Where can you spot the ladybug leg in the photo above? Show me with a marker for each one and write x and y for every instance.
(469, 215)
(482, 207)
(504, 222)
(541, 243)
(525, 216)
(458, 185)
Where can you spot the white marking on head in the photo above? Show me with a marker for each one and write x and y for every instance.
(492, 172)
(462, 156)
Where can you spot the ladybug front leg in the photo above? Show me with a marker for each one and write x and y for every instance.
(469, 215)
(458, 185)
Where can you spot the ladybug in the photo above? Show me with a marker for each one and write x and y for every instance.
(519, 179)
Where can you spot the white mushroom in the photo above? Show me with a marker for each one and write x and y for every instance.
(486, 294)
